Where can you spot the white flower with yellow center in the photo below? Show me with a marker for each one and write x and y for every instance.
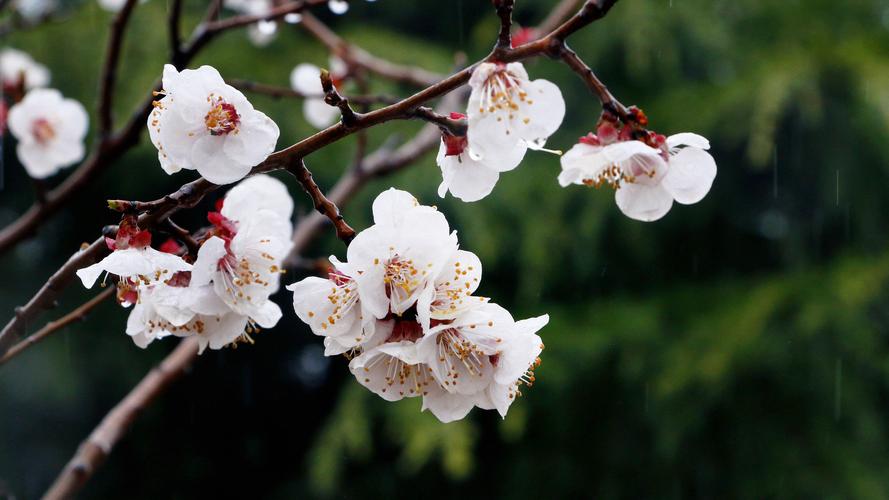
(397, 258)
(203, 124)
(646, 179)
(50, 131)
(509, 113)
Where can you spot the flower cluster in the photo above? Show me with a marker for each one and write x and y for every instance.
(223, 296)
(402, 306)
(204, 124)
(648, 171)
(507, 114)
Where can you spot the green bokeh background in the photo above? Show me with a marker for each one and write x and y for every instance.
(738, 348)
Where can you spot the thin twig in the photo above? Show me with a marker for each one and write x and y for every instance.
(355, 56)
(557, 16)
(504, 12)
(322, 204)
(109, 71)
(96, 448)
(333, 98)
(78, 314)
(609, 103)
(182, 235)
(174, 17)
(287, 92)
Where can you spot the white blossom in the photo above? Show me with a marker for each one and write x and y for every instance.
(466, 175)
(133, 260)
(16, 66)
(398, 257)
(402, 306)
(243, 258)
(509, 113)
(646, 179)
(50, 131)
(163, 310)
(262, 32)
(206, 125)
(306, 79)
(34, 10)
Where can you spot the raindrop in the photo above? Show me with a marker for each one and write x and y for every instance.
(838, 390)
(338, 6)
(838, 187)
(293, 18)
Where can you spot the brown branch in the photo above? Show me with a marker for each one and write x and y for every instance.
(322, 204)
(78, 314)
(557, 16)
(174, 17)
(182, 235)
(446, 123)
(355, 56)
(115, 146)
(109, 71)
(286, 92)
(609, 103)
(96, 448)
(191, 193)
(333, 98)
(504, 12)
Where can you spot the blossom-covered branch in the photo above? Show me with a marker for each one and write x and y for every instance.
(191, 193)
(108, 151)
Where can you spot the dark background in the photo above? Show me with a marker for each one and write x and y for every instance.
(738, 348)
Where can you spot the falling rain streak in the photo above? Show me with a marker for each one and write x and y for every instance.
(838, 390)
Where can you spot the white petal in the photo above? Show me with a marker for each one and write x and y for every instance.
(690, 175)
(306, 79)
(688, 139)
(544, 114)
(445, 406)
(207, 263)
(254, 140)
(212, 163)
(390, 206)
(466, 178)
(259, 192)
(319, 114)
(643, 202)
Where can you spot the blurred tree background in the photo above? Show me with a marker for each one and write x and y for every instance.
(738, 348)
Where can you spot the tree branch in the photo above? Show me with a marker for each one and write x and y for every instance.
(109, 72)
(504, 12)
(355, 56)
(78, 314)
(174, 17)
(286, 92)
(191, 193)
(96, 448)
(322, 204)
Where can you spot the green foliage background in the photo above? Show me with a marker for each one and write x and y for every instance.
(738, 348)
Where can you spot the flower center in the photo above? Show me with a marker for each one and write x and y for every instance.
(43, 131)
(502, 96)
(222, 118)
(400, 276)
